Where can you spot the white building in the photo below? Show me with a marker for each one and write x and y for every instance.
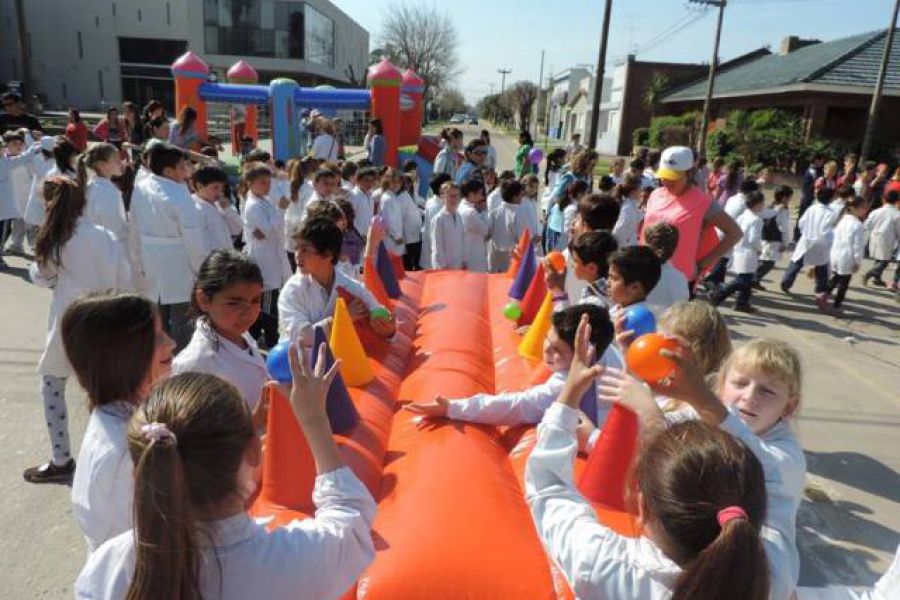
(570, 103)
(87, 53)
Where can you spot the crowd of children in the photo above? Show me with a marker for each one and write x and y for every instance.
(165, 323)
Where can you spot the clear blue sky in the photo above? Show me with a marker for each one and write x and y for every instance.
(511, 34)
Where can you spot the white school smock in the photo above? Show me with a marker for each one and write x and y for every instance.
(325, 146)
(574, 287)
(412, 218)
(773, 250)
(308, 559)
(529, 209)
(626, 228)
(671, 289)
(391, 210)
(209, 352)
(167, 239)
(303, 303)
(295, 213)
(507, 225)
(91, 261)
(21, 185)
(745, 255)
(219, 225)
(105, 207)
(103, 487)
(814, 245)
(445, 162)
(596, 561)
(269, 252)
(494, 200)
(432, 207)
(477, 226)
(883, 227)
(848, 245)
(34, 209)
(363, 209)
(9, 165)
(447, 232)
(886, 588)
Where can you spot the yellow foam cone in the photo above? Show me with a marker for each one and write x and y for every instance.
(345, 345)
(532, 345)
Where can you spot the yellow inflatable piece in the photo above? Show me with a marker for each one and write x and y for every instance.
(532, 345)
(345, 344)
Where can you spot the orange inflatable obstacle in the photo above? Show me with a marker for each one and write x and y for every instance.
(452, 521)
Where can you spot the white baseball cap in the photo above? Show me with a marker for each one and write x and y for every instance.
(674, 162)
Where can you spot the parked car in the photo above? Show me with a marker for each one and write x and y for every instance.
(458, 119)
(473, 120)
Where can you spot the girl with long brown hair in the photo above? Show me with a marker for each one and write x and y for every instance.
(195, 454)
(702, 498)
(73, 257)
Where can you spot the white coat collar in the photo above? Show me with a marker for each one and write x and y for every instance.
(225, 532)
(218, 343)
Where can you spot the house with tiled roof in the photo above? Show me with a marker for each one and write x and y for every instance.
(828, 84)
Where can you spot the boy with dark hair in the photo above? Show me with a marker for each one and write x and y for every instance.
(361, 199)
(590, 254)
(220, 219)
(883, 228)
(166, 239)
(745, 256)
(633, 273)
(476, 225)
(507, 225)
(349, 172)
(528, 406)
(672, 287)
(309, 296)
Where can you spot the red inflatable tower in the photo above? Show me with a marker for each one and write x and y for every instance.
(384, 80)
(411, 102)
(243, 72)
(190, 72)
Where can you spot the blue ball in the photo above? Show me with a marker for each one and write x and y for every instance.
(640, 320)
(278, 364)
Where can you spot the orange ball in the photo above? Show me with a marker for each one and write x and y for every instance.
(645, 361)
(557, 261)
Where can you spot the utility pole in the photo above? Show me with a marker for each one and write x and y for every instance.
(537, 104)
(591, 140)
(547, 111)
(27, 88)
(503, 74)
(879, 87)
(713, 64)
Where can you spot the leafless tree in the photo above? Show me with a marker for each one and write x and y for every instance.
(521, 98)
(423, 39)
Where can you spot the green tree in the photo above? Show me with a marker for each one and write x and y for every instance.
(654, 91)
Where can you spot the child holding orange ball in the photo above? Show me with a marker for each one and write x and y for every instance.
(590, 253)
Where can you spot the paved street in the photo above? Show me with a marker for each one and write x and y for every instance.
(849, 424)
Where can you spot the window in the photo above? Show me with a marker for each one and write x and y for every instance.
(80, 45)
(97, 22)
(140, 15)
(100, 83)
(168, 13)
(272, 28)
(150, 51)
(114, 8)
(319, 37)
(15, 68)
(65, 90)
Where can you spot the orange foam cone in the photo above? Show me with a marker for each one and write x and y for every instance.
(524, 242)
(344, 342)
(532, 345)
(605, 476)
(534, 297)
(290, 471)
(373, 283)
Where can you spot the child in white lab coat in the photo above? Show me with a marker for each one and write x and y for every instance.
(447, 231)
(196, 433)
(776, 233)
(529, 209)
(528, 406)
(672, 287)
(167, 238)
(477, 225)
(590, 254)
(310, 295)
(412, 223)
(361, 198)
(17, 142)
(221, 220)
(814, 246)
(633, 273)
(883, 229)
(9, 208)
(42, 163)
(391, 210)
(73, 257)
(119, 351)
(847, 248)
(745, 256)
(301, 190)
(433, 206)
(630, 214)
(96, 166)
(508, 222)
(226, 301)
(703, 492)
(263, 234)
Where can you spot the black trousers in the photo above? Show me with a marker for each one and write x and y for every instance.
(413, 256)
(267, 323)
(841, 282)
(765, 266)
(742, 286)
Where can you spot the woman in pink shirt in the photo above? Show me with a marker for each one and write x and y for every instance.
(692, 212)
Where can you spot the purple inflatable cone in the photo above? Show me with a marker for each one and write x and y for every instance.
(524, 275)
(341, 412)
(386, 272)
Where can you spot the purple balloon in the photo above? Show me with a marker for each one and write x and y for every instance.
(535, 156)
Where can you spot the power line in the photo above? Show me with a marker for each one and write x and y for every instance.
(668, 32)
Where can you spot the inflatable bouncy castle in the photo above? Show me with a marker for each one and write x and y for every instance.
(452, 519)
(393, 97)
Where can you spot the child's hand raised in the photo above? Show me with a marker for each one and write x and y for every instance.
(582, 371)
(555, 280)
(621, 388)
(436, 408)
(688, 384)
(310, 386)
